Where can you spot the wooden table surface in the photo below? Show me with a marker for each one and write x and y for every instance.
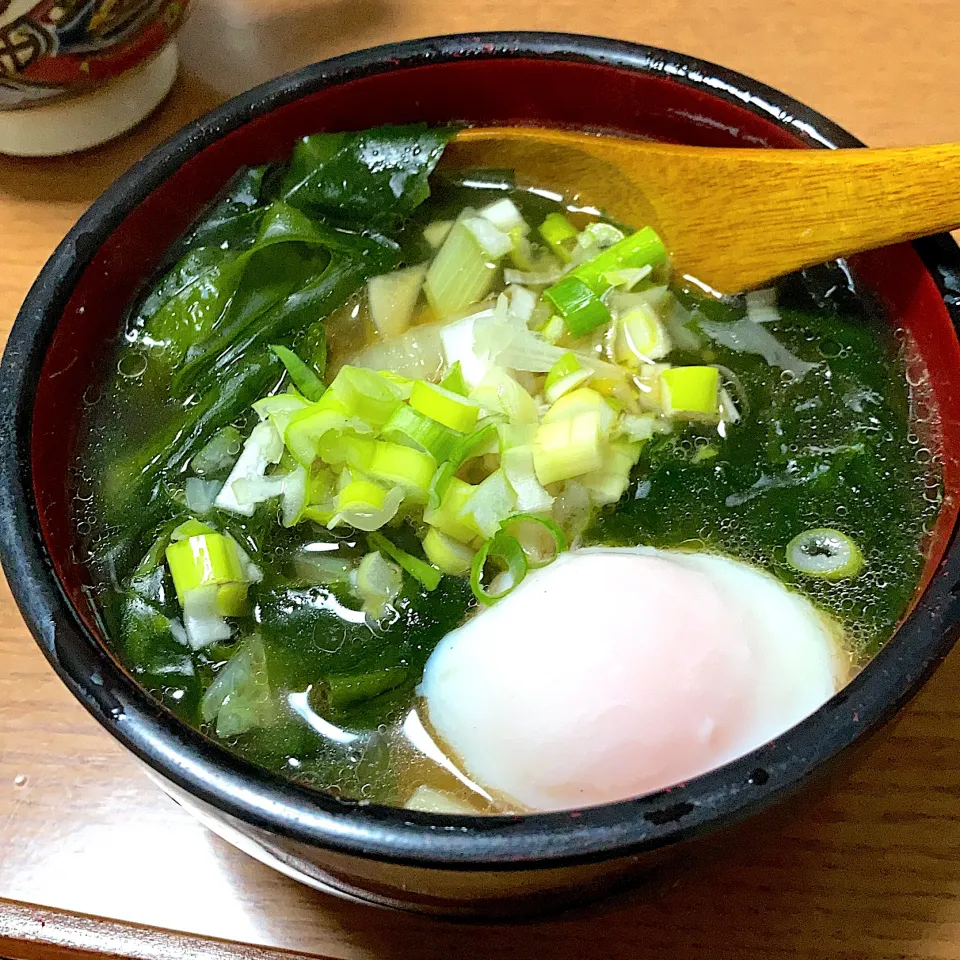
(871, 871)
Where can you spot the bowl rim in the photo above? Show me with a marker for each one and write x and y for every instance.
(265, 800)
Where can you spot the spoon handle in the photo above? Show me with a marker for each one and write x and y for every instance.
(780, 210)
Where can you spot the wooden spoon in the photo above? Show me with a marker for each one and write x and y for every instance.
(735, 219)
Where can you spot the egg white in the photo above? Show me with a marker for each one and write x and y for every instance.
(616, 672)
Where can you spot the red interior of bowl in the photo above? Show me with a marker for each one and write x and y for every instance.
(481, 92)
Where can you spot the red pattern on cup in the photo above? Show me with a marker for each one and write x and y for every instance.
(53, 47)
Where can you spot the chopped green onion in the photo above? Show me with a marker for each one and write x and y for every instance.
(435, 233)
(515, 435)
(581, 308)
(232, 599)
(553, 329)
(203, 617)
(304, 379)
(366, 395)
(500, 393)
(521, 253)
(641, 249)
(461, 273)
(493, 242)
(322, 513)
(691, 392)
(505, 216)
(250, 491)
(449, 555)
(378, 582)
(583, 400)
(408, 426)
(402, 466)
(294, 496)
(279, 409)
(565, 375)
(321, 505)
(603, 235)
(560, 235)
(566, 365)
(641, 337)
(448, 516)
(403, 384)
(340, 691)
(541, 539)
(517, 348)
(609, 483)
(203, 559)
(568, 448)
(505, 554)
(263, 447)
(337, 448)
(428, 575)
(239, 698)
(190, 528)
(321, 484)
(392, 298)
(454, 381)
(627, 278)
(209, 560)
(308, 427)
(466, 341)
(825, 553)
(568, 383)
(492, 502)
(476, 444)
(452, 410)
(636, 427)
(365, 505)
(517, 465)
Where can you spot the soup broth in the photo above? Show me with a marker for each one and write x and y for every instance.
(304, 670)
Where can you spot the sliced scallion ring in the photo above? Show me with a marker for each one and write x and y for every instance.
(541, 540)
(444, 406)
(825, 553)
(447, 554)
(366, 395)
(505, 554)
(407, 425)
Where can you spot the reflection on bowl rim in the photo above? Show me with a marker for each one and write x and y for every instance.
(265, 800)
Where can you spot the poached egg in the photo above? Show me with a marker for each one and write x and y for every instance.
(616, 672)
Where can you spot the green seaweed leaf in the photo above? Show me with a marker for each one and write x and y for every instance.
(375, 177)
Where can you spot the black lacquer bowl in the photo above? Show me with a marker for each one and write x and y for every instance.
(61, 342)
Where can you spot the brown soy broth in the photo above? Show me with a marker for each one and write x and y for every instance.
(839, 447)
